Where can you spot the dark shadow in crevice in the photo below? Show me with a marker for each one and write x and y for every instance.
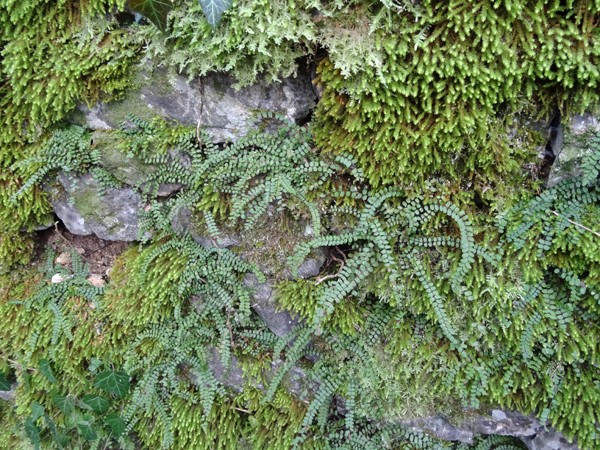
(553, 146)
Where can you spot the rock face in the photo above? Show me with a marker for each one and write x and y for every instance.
(500, 422)
(232, 377)
(210, 100)
(8, 396)
(280, 322)
(125, 168)
(112, 216)
(549, 439)
(568, 148)
(183, 222)
(295, 381)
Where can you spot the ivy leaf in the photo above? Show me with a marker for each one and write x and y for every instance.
(96, 403)
(4, 383)
(87, 431)
(61, 440)
(155, 11)
(33, 433)
(214, 9)
(116, 424)
(114, 382)
(64, 402)
(37, 411)
(47, 370)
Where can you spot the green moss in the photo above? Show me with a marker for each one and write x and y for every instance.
(254, 37)
(145, 82)
(80, 55)
(126, 168)
(271, 241)
(11, 434)
(301, 297)
(444, 108)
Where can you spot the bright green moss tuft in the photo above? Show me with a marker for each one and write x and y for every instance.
(443, 106)
(53, 55)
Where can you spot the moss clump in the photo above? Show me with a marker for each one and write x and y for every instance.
(270, 242)
(80, 54)
(301, 297)
(254, 37)
(125, 167)
(443, 105)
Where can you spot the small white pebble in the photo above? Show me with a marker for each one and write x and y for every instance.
(57, 278)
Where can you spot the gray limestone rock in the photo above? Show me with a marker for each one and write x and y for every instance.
(210, 100)
(549, 439)
(183, 222)
(295, 381)
(505, 423)
(112, 217)
(569, 147)
(311, 266)
(500, 422)
(8, 396)
(280, 322)
(232, 377)
(127, 168)
(441, 428)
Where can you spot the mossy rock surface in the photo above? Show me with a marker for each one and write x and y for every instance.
(211, 101)
(124, 167)
(84, 211)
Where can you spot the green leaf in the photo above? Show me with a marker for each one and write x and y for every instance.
(37, 411)
(47, 370)
(60, 439)
(4, 383)
(214, 9)
(97, 403)
(86, 430)
(155, 11)
(64, 402)
(116, 424)
(74, 418)
(32, 432)
(116, 383)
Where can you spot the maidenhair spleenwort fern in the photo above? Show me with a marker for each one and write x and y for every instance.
(273, 164)
(383, 237)
(171, 357)
(211, 274)
(67, 149)
(162, 355)
(58, 287)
